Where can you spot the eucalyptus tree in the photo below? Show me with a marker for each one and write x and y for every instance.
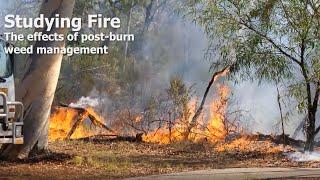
(38, 85)
(268, 40)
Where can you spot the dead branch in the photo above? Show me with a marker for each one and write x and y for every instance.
(76, 124)
(84, 113)
(200, 108)
(97, 120)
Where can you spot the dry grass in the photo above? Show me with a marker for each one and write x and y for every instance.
(107, 159)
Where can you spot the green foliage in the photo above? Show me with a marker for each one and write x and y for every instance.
(178, 93)
(180, 96)
(265, 40)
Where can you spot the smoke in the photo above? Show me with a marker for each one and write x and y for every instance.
(85, 102)
(175, 46)
(304, 156)
(178, 46)
(98, 100)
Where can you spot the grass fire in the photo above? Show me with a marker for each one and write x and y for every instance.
(210, 128)
(167, 131)
(206, 89)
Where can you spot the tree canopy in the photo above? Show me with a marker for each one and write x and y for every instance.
(267, 40)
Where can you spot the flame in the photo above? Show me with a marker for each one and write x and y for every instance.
(250, 144)
(216, 129)
(61, 122)
(212, 129)
(138, 118)
(63, 119)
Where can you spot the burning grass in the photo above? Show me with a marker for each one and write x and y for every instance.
(252, 144)
(69, 123)
(169, 148)
(211, 128)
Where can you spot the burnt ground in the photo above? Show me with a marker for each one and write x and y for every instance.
(104, 158)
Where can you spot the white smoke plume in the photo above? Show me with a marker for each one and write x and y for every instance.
(304, 156)
(85, 102)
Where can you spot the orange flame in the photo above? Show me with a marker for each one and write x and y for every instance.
(68, 122)
(138, 118)
(216, 128)
(211, 130)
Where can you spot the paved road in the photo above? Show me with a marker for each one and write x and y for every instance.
(240, 173)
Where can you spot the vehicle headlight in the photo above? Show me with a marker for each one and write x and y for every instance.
(18, 132)
(4, 90)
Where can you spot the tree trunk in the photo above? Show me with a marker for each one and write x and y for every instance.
(129, 17)
(281, 116)
(38, 86)
(310, 130)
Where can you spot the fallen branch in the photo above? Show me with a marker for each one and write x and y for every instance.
(97, 121)
(114, 138)
(83, 114)
(76, 124)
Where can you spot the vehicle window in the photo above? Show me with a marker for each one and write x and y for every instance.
(5, 63)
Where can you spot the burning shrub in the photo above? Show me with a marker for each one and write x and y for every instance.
(215, 122)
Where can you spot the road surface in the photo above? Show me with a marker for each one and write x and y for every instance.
(240, 173)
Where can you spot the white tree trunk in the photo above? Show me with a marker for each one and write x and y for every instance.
(38, 86)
